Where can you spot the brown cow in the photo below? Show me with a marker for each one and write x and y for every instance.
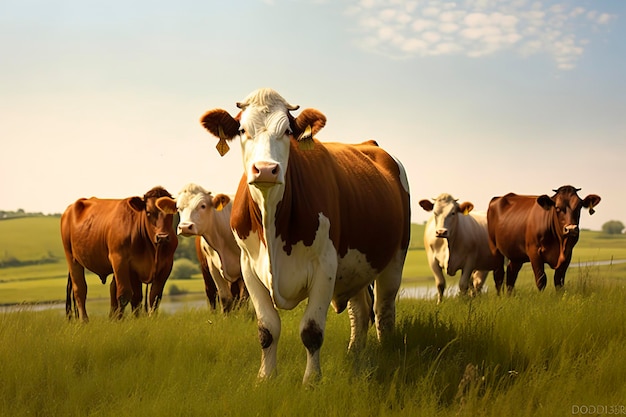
(130, 238)
(317, 221)
(539, 229)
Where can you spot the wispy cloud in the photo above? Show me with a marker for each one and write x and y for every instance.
(475, 28)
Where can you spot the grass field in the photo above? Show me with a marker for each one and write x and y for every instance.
(531, 354)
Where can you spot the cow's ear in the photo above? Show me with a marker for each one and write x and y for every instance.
(308, 123)
(545, 202)
(137, 203)
(220, 201)
(427, 205)
(466, 207)
(591, 201)
(167, 205)
(221, 125)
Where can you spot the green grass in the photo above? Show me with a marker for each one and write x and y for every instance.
(532, 354)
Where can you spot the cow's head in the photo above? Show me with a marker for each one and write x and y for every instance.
(265, 128)
(446, 210)
(197, 208)
(159, 218)
(566, 206)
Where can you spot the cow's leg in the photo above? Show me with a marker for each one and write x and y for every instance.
(511, 275)
(135, 301)
(121, 271)
(466, 273)
(440, 279)
(268, 320)
(359, 310)
(559, 274)
(386, 289)
(223, 288)
(498, 273)
(538, 269)
(79, 288)
(156, 293)
(114, 311)
(209, 288)
(313, 322)
(478, 280)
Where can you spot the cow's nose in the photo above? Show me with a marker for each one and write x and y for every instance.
(441, 232)
(186, 229)
(162, 237)
(265, 172)
(571, 230)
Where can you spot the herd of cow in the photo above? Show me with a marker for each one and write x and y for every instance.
(309, 220)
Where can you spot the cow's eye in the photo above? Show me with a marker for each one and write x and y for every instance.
(242, 131)
(288, 132)
(203, 206)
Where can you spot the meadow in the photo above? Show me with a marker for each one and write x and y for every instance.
(529, 354)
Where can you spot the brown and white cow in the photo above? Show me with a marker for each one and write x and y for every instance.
(456, 238)
(208, 216)
(539, 229)
(313, 220)
(130, 238)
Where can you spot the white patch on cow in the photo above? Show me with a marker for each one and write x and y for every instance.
(404, 180)
(353, 273)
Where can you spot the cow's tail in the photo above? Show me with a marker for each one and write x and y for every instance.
(70, 299)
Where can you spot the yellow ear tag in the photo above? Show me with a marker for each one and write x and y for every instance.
(305, 140)
(466, 211)
(222, 147)
(220, 206)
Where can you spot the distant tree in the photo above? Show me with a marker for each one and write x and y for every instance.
(186, 248)
(613, 227)
(183, 268)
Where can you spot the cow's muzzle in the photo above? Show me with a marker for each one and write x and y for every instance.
(441, 233)
(187, 229)
(162, 238)
(571, 230)
(266, 173)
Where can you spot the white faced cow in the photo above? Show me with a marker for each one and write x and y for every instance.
(314, 220)
(456, 238)
(206, 215)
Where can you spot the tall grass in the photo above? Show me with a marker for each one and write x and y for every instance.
(528, 354)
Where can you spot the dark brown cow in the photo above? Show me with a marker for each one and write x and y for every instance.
(130, 238)
(539, 229)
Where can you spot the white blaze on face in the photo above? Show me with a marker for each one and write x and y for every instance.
(194, 207)
(265, 144)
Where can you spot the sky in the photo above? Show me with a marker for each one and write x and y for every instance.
(477, 98)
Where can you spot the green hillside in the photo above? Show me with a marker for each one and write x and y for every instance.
(33, 268)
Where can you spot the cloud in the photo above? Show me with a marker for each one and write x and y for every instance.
(476, 28)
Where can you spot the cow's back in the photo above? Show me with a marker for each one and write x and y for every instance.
(374, 198)
(85, 231)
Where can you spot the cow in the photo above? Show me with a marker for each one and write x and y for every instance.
(130, 238)
(314, 220)
(456, 238)
(208, 216)
(535, 229)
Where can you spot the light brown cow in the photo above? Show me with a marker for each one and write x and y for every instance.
(130, 238)
(208, 215)
(456, 238)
